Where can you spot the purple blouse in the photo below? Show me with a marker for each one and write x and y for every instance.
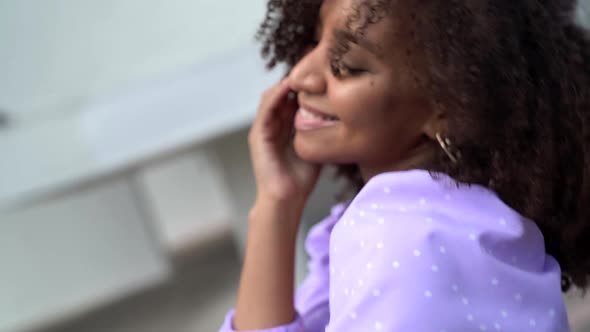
(413, 253)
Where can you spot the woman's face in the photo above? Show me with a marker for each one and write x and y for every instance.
(376, 118)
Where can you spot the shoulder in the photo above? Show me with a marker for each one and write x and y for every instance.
(442, 246)
(416, 211)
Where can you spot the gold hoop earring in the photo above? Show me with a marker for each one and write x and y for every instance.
(448, 148)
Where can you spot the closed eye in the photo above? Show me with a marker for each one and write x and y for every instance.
(342, 70)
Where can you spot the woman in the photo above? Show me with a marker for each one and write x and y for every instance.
(463, 129)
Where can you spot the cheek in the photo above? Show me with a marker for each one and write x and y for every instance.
(363, 105)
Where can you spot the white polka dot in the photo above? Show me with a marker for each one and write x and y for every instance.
(395, 264)
(465, 300)
(434, 268)
(417, 253)
(361, 282)
(422, 201)
(351, 222)
(532, 322)
(482, 327)
(455, 288)
(552, 312)
(335, 249)
(362, 244)
(332, 270)
(386, 190)
(381, 221)
(504, 313)
(402, 209)
(376, 292)
(495, 282)
(472, 237)
(470, 317)
(497, 326)
(374, 206)
(362, 213)
(518, 297)
(353, 315)
(502, 221)
(346, 291)
(369, 266)
(378, 326)
(429, 220)
(428, 293)
(443, 250)
(352, 292)
(379, 245)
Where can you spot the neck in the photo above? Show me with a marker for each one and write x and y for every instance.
(416, 158)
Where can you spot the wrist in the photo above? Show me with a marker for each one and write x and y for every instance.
(290, 206)
(281, 198)
(276, 212)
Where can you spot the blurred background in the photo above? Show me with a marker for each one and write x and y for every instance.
(124, 172)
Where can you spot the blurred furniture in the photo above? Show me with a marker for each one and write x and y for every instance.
(92, 204)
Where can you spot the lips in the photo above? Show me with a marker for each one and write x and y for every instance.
(307, 119)
(307, 111)
(311, 114)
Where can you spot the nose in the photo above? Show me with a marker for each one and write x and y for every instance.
(307, 75)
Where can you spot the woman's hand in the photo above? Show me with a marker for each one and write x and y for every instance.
(281, 176)
(283, 182)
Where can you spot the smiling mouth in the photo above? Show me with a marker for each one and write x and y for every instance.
(314, 114)
(309, 120)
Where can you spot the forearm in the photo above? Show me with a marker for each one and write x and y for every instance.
(265, 295)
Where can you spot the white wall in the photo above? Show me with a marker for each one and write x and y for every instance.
(55, 54)
(583, 13)
(93, 243)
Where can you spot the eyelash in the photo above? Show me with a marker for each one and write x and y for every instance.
(338, 67)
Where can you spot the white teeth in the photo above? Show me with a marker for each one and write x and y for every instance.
(307, 114)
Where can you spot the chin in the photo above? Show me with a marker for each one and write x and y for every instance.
(314, 152)
(309, 151)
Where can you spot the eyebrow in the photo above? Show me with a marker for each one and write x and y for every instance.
(344, 35)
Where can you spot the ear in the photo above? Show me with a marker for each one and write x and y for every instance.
(436, 124)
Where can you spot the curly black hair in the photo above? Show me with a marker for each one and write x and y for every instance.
(513, 78)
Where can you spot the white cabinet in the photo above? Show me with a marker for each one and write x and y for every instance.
(71, 252)
(188, 199)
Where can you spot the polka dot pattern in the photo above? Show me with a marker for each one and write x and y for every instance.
(446, 262)
(410, 244)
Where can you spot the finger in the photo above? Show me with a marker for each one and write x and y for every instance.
(286, 117)
(272, 101)
(277, 116)
(258, 130)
